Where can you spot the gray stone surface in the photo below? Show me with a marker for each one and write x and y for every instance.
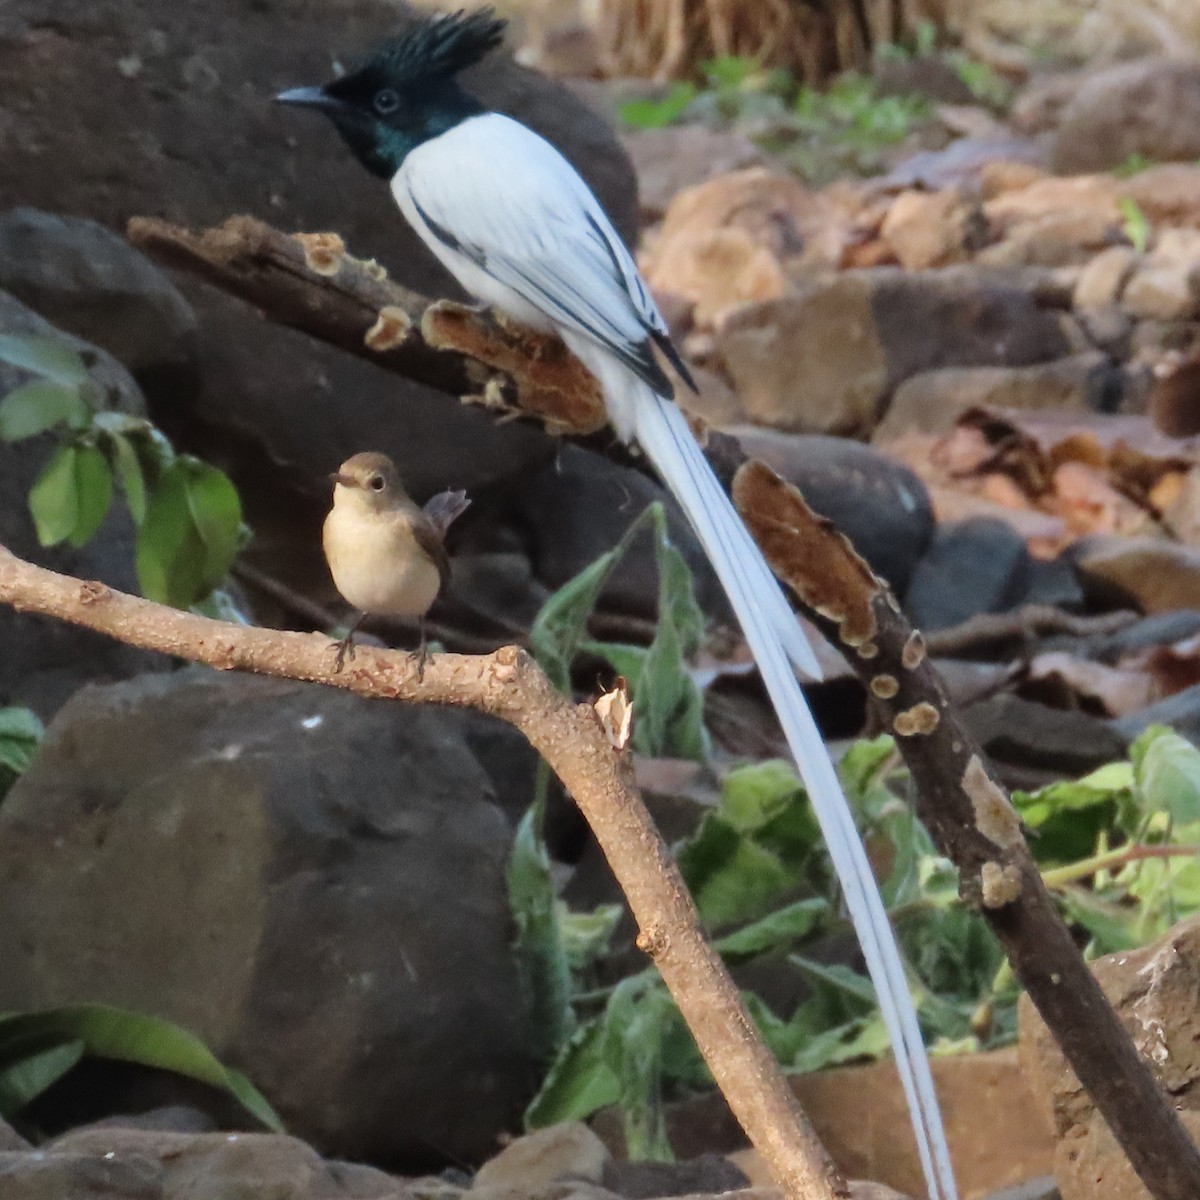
(311, 882)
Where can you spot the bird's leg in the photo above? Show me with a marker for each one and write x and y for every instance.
(345, 647)
(422, 651)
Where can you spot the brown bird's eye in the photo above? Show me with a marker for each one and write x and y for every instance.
(375, 483)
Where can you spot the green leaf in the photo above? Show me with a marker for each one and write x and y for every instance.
(93, 494)
(539, 947)
(20, 733)
(731, 877)
(851, 983)
(657, 114)
(107, 1032)
(1069, 816)
(865, 1038)
(190, 534)
(755, 794)
(27, 1078)
(560, 627)
(54, 500)
(579, 1083)
(1136, 225)
(70, 497)
(49, 357)
(635, 1028)
(1166, 768)
(40, 405)
(129, 472)
(586, 936)
(780, 928)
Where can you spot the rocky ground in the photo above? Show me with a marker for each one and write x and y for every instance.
(983, 362)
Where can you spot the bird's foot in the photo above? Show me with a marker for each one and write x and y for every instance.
(345, 649)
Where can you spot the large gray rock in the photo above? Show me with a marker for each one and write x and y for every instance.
(89, 281)
(171, 116)
(43, 661)
(1149, 108)
(311, 882)
(116, 1163)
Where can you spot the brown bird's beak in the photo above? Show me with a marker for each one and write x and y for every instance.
(344, 480)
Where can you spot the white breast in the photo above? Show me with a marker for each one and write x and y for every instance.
(376, 564)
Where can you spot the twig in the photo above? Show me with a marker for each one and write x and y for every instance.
(1061, 877)
(967, 812)
(984, 629)
(973, 823)
(507, 684)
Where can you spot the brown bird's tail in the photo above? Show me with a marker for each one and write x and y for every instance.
(445, 508)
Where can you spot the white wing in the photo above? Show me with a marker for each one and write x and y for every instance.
(503, 197)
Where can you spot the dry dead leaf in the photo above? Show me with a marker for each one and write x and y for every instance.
(615, 710)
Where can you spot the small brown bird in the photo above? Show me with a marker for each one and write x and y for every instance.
(386, 555)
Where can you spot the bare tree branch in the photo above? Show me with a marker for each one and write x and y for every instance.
(967, 812)
(507, 684)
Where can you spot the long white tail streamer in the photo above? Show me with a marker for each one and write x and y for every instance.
(775, 637)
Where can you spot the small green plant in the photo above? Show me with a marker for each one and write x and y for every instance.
(187, 512)
(1135, 164)
(1136, 225)
(37, 1049)
(820, 134)
(20, 733)
(1121, 848)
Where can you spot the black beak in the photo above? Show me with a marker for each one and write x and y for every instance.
(307, 97)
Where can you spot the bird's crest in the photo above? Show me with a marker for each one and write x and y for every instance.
(438, 47)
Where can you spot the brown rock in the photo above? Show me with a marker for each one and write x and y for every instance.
(932, 401)
(1005, 175)
(1150, 107)
(1168, 193)
(1093, 1167)
(569, 1150)
(725, 242)
(1154, 992)
(825, 359)
(1053, 239)
(860, 1116)
(1155, 574)
(810, 363)
(1103, 279)
(935, 229)
(1094, 194)
(684, 156)
(1166, 287)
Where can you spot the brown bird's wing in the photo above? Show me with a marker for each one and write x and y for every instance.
(445, 508)
(431, 523)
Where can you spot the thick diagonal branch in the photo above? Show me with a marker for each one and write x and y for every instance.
(507, 684)
(967, 812)
(973, 823)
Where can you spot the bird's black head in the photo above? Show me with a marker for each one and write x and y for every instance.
(406, 92)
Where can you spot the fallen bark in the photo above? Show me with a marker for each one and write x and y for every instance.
(966, 811)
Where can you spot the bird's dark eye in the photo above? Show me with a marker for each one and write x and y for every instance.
(375, 483)
(386, 102)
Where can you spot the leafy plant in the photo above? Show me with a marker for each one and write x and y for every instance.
(20, 733)
(668, 705)
(847, 127)
(38, 1048)
(187, 512)
(1136, 225)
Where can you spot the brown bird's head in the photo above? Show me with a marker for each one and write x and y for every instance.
(370, 479)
